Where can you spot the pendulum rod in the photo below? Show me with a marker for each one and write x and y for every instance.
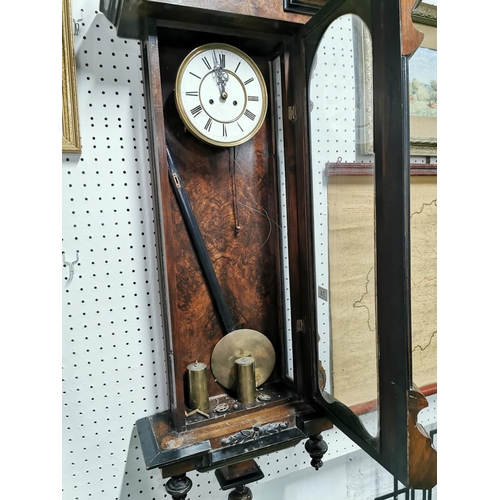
(198, 243)
(237, 226)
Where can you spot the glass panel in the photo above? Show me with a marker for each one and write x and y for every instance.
(280, 158)
(341, 138)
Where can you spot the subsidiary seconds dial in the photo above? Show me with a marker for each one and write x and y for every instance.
(220, 95)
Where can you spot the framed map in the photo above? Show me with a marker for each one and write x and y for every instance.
(352, 282)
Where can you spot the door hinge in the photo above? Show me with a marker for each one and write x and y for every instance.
(292, 113)
(323, 293)
(300, 326)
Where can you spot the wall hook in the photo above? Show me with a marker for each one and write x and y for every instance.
(76, 24)
(71, 268)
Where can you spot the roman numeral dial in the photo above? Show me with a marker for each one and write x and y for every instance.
(221, 95)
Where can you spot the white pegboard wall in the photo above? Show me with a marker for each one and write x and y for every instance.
(280, 160)
(113, 354)
(333, 138)
(113, 368)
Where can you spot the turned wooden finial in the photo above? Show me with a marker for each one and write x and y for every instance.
(316, 447)
(178, 487)
(240, 493)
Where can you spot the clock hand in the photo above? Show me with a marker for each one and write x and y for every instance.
(221, 76)
(221, 80)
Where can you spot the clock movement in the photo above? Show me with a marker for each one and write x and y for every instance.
(229, 115)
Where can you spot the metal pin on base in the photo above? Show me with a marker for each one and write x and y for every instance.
(245, 367)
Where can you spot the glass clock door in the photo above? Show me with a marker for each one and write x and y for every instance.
(354, 244)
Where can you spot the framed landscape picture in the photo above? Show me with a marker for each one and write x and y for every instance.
(423, 91)
(422, 68)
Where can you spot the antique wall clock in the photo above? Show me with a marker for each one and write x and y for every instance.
(235, 213)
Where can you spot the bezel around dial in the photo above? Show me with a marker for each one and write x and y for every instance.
(194, 92)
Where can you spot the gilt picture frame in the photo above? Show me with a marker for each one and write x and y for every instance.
(422, 76)
(71, 142)
(422, 72)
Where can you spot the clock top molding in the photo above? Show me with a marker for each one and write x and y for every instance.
(266, 9)
(260, 15)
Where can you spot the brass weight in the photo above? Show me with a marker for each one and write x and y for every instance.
(198, 386)
(246, 380)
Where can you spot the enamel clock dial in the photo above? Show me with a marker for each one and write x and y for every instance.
(220, 95)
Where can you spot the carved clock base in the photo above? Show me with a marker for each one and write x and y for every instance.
(178, 487)
(316, 447)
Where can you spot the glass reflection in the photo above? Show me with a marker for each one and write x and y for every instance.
(341, 138)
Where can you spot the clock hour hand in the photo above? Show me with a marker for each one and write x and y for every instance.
(221, 76)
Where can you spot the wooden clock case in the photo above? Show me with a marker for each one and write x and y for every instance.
(239, 186)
